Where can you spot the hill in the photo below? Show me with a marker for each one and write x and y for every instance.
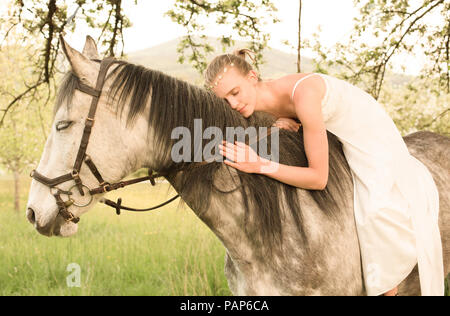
(164, 57)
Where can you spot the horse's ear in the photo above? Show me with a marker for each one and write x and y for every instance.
(82, 66)
(90, 48)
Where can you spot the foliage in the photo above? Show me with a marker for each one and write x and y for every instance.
(244, 18)
(389, 28)
(414, 106)
(384, 33)
(24, 130)
(32, 21)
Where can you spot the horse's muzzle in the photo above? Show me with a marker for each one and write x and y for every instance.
(46, 229)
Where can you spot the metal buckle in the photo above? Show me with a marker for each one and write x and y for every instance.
(90, 122)
(106, 187)
(75, 174)
(70, 218)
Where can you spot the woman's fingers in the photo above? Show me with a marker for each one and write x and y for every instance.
(240, 156)
(229, 151)
(287, 123)
(292, 126)
(232, 164)
(231, 155)
(237, 153)
(288, 126)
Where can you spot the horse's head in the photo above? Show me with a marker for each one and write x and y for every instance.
(83, 138)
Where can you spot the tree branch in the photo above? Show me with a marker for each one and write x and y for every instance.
(387, 56)
(435, 119)
(16, 99)
(118, 19)
(48, 46)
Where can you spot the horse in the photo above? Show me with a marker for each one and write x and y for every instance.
(279, 240)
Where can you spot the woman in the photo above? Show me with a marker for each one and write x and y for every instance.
(396, 201)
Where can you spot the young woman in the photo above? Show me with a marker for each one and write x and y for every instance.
(396, 201)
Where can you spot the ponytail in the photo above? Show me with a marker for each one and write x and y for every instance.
(244, 52)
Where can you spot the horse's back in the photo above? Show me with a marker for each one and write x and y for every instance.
(433, 151)
(431, 148)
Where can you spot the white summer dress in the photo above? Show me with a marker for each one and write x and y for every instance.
(396, 201)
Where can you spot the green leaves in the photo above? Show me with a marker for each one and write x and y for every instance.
(385, 33)
(24, 130)
(386, 29)
(42, 22)
(240, 18)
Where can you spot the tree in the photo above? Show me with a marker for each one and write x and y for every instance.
(384, 32)
(300, 41)
(244, 17)
(299, 45)
(414, 107)
(44, 21)
(21, 147)
(23, 132)
(389, 28)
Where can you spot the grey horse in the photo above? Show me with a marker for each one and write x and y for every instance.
(279, 240)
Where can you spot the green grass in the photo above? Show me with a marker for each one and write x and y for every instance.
(168, 252)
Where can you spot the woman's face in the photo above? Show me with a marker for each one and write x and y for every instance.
(238, 90)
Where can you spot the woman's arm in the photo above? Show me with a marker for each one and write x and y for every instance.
(301, 177)
(308, 107)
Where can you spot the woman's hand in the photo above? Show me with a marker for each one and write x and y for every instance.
(287, 123)
(242, 157)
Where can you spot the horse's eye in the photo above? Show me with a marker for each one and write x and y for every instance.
(63, 125)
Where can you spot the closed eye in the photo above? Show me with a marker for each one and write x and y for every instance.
(61, 125)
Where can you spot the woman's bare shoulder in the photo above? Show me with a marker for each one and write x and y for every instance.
(288, 81)
(313, 86)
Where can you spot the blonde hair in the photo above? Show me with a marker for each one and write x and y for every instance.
(222, 63)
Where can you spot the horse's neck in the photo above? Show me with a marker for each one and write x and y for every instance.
(223, 215)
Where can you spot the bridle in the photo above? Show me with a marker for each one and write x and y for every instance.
(81, 157)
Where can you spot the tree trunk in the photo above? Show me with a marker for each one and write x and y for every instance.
(16, 191)
(299, 58)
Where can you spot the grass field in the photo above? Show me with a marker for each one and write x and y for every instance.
(168, 252)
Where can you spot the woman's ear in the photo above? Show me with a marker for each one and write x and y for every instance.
(253, 76)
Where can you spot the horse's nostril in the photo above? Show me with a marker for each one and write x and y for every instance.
(30, 215)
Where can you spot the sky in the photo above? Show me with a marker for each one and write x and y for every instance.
(151, 27)
(150, 15)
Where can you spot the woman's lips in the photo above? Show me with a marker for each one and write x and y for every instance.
(240, 111)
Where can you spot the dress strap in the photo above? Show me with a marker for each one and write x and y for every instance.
(297, 83)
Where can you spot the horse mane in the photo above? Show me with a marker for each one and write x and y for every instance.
(175, 103)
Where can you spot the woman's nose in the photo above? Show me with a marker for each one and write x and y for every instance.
(233, 104)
